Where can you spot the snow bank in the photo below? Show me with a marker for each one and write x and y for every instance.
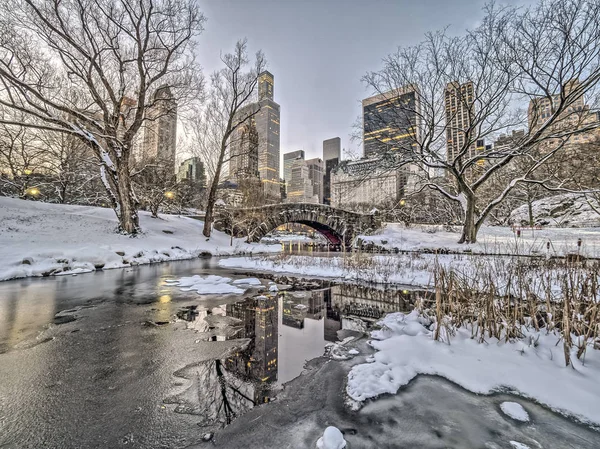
(39, 239)
(532, 367)
(567, 210)
(332, 438)
(515, 411)
(491, 240)
(207, 285)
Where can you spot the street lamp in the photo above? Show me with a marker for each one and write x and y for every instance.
(402, 202)
(27, 172)
(170, 195)
(33, 191)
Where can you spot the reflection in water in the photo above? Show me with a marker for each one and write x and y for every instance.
(278, 333)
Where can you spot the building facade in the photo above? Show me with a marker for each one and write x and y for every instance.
(390, 122)
(255, 146)
(367, 183)
(332, 155)
(288, 160)
(315, 174)
(300, 187)
(159, 132)
(459, 103)
(192, 169)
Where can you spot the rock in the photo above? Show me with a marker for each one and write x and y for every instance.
(99, 266)
(206, 254)
(27, 261)
(332, 438)
(166, 231)
(120, 253)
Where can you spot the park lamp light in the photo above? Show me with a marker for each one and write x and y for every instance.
(170, 195)
(33, 191)
(402, 202)
(27, 171)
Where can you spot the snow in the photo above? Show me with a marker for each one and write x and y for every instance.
(47, 239)
(248, 281)
(207, 285)
(490, 240)
(332, 439)
(565, 210)
(533, 367)
(515, 411)
(353, 352)
(517, 445)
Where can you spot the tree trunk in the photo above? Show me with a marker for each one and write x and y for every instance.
(126, 210)
(470, 226)
(209, 217)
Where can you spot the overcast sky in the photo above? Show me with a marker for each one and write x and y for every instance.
(318, 50)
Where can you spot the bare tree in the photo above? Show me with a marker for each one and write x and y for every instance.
(466, 91)
(90, 68)
(229, 106)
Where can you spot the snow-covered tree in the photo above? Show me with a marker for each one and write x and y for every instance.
(90, 68)
(521, 68)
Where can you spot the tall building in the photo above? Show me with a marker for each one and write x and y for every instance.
(332, 152)
(192, 169)
(315, 174)
(300, 186)
(390, 122)
(288, 160)
(266, 124)
(459, 102)
(159, 140)
(244, 152)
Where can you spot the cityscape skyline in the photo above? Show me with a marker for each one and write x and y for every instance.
(321, 92)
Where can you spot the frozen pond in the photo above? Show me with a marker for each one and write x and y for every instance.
(123, 359)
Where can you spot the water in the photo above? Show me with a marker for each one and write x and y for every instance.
(121, 359)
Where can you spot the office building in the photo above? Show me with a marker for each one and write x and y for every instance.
(192, 170)
(300, 189)
(288, 160)
(159, 132)
(264, 128)
(390, 122)
(459, 102)
(315, 174)
(244, 150)
(332, 155)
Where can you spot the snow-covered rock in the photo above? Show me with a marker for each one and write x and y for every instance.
(515, 411)
(332, 438)
(567, 210)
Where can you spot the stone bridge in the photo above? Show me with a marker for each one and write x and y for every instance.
(338, 226)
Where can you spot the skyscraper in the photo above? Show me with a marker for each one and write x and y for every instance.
(288, 160)
(192, 169)
(315, 174)
(245, 153)
(390, 121)
(159, 140)
(459, 104)
(300, 186)
(332, 151)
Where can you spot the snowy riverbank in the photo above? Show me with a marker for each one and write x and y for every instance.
(48, 239)
(491, 240)
(533, 367)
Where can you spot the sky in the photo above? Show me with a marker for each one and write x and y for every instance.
(318, 50)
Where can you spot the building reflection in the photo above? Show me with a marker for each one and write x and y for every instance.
(278, 333)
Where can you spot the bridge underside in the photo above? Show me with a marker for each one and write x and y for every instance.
(332, 236)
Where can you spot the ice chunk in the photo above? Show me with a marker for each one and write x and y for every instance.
(332, 439)
(515, 411)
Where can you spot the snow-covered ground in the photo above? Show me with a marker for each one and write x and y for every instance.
(565, 210)
(40, 239)
(491, 240)
(533, 367)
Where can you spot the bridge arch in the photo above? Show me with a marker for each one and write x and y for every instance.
(338, 226)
